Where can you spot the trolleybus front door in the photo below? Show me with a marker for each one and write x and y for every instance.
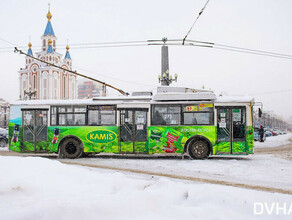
(231, 130)
(133, 131)
(35, 129)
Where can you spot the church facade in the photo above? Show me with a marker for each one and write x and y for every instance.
(45, 81)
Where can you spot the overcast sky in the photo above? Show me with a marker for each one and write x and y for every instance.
(256, 24)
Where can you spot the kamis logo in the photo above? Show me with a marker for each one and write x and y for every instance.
(101, 136)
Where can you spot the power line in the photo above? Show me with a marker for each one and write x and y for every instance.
(273, 92)
(114, 78)
(108, 46)
(174, 42)
(223, 47)
(253, 50)
(9, 42)
(195, 22)
(250, 52)
(85, 44)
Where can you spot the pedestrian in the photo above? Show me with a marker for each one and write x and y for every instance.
(261, 132)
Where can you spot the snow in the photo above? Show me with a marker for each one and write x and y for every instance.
(4, 148)
(257, 170)
(274, 141)
(234, 99)
(39, 188)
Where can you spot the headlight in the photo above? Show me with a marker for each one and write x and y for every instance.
(7, 136)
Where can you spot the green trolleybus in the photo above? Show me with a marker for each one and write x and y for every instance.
(171, 120)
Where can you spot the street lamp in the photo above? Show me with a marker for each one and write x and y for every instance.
(166, 79)
(30, 92)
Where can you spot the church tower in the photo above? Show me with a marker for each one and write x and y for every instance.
(48, 82)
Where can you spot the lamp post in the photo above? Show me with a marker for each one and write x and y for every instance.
(30, 93)
(166, 79)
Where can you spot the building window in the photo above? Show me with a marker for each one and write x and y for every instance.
(55, 88)
(64, 87)
(45, 86)
(44, 42)
(54, 43)
(23, 86)
(34, 81)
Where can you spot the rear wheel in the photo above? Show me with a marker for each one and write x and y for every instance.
(71, 148)
(2, 143)
(198, 149)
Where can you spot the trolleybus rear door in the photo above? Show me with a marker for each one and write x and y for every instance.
(231, 130)
(35, 129)
(133, 131)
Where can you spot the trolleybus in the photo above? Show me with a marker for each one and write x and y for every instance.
(172, 120)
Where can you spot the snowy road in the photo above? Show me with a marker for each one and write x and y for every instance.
(265, 169)
(40, 188)
(255, 171)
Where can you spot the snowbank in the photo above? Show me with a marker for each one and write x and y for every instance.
(39, 188)
(274, 141)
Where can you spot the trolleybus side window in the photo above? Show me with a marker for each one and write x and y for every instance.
(198, 114)
(166, 115)
(68, 115)
(101, 115)
(54, 116)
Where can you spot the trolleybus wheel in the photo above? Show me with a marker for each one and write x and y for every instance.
(71, 148)
(198, 149)
(2, 143)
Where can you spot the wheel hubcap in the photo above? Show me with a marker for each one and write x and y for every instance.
(199, 149)
(2, 143)
(71, 148)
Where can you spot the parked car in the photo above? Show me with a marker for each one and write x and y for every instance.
(3, 137)
(268, 134)
(273, 133)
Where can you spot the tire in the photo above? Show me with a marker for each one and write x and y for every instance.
(2, 143)
(198, 149)
(71, 148)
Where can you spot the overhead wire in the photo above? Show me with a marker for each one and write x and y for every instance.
(174, 42)
(272, 92)
(113, 78)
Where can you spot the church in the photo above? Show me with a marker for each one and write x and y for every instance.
(45, 81)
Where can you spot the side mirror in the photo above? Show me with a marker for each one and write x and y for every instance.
(260, 113)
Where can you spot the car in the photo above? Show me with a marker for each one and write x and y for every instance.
(3, 137)
(268, 134)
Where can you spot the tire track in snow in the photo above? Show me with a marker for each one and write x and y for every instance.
(195, 179)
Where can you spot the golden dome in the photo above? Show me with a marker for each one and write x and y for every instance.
(67, 48)
(29, 45)
(49, 15)
(50, 42)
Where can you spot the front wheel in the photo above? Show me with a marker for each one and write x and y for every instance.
(198, 149)
(70, 148)
(2, 143)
